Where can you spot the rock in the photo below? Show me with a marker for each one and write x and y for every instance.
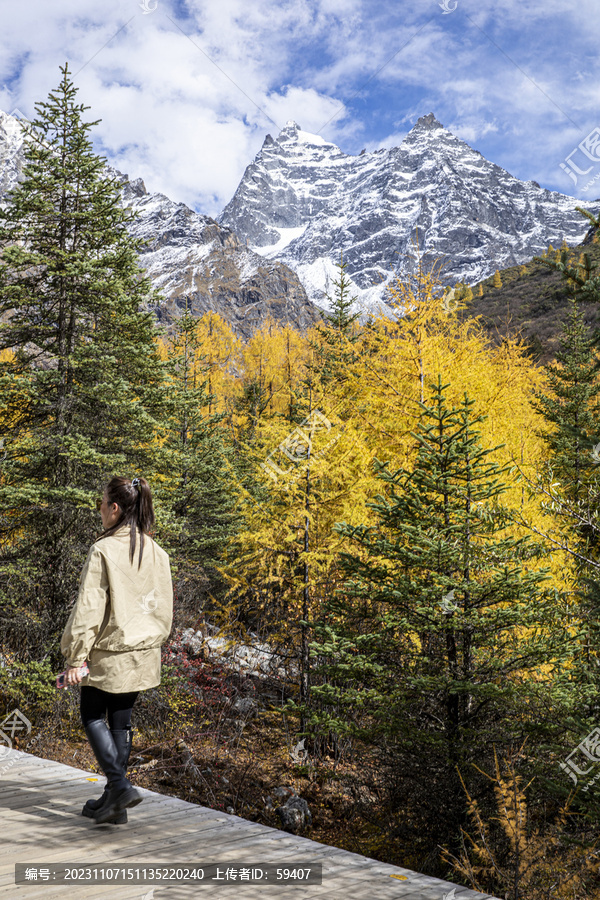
(256, 658)
(245, 706)
(294, 815)
(282, 793)
(193, 643)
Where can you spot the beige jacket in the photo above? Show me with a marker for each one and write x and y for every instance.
(122, 615)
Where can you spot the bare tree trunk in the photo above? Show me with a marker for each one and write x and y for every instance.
(304, 650)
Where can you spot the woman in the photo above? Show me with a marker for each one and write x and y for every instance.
(122, 617)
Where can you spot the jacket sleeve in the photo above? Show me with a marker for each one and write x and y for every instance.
(168, 616)
(88, 615)
(170, 621)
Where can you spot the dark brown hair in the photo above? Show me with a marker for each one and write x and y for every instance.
(134, 499)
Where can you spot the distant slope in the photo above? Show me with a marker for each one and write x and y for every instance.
(533, 304)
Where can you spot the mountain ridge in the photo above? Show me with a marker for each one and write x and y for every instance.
(305, 202)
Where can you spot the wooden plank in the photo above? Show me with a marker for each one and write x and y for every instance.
(47, 774)
(148, 846)
(110, 838)
(73, 794)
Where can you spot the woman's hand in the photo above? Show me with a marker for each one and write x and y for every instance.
(73, 675)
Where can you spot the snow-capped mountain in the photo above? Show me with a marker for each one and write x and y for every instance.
(190, 255)
(304, 202)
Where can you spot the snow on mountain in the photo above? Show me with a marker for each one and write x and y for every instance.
(305, 202)
(190, 255)
(11, 158)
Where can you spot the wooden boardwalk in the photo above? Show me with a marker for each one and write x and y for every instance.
(40, 802)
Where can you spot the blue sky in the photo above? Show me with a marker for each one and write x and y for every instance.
(187, 90)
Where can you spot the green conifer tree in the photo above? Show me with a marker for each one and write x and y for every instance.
(427, 650)
(571, 405)
(574, 496)
(570, 488)
(339, 331)
(80, 377)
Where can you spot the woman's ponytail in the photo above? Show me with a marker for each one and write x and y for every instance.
(134, 499)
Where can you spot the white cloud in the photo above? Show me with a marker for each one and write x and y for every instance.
(185, 104)
(307, 107)
(472, 131)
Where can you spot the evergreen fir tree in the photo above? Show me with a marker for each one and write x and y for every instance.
(572, 480)
(429, 648)
(340, 331)
(80, 378)
(571, 405)
(574, 497)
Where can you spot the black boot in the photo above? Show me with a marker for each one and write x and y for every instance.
(123, 740)
(121, 794)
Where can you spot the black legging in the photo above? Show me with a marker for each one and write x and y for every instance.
(95, 704)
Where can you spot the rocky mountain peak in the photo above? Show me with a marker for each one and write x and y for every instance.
(296, 146)
(428, 123)
(305, 202)
(289, 131)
